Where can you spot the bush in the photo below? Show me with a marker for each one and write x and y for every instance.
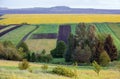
(104, 58)
(24, 46)
(63, 71)
(24, 65)
(44, 67)
(8, 44)
(45, 58)
(96, 66)
(43, 52)
(9, 52)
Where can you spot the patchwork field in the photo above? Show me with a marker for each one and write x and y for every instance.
(39, 44)
(57, 18)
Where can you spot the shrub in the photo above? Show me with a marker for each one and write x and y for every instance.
(97, 67)
(43, 52)
(24, 65)
(24, 46)
(44, 67)
(8, 44)
(9, 52)
(63, 71)
(104, 58)
(46, 58)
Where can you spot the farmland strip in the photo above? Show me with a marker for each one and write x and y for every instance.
(26, 36)
(2, 27)
(6, 31)
(45, 36)
(16, 35)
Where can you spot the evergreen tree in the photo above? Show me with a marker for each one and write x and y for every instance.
(33, 57)
(60, 50)
(70, 48)
(29, 57)
(110, 48)
(98, 49)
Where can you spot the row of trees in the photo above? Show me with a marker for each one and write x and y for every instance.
(86, 46)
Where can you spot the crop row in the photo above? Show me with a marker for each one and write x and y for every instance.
(45, 36)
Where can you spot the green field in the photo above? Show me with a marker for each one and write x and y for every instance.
(16, 35)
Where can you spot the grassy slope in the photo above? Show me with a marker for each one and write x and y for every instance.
(16, 35)
(9, 69)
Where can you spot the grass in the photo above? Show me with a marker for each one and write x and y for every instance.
(57, 18)
(47, 28)
(83, 72)
(16, 35)
(37, 45)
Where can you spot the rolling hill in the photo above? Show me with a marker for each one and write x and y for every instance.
(58, 10)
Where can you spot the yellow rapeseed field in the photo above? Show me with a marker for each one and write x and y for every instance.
(58, 18)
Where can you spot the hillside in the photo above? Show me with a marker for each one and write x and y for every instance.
(8, 71)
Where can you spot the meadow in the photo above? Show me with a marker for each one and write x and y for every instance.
(57, 18)
(8, 71)
(37, 45)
